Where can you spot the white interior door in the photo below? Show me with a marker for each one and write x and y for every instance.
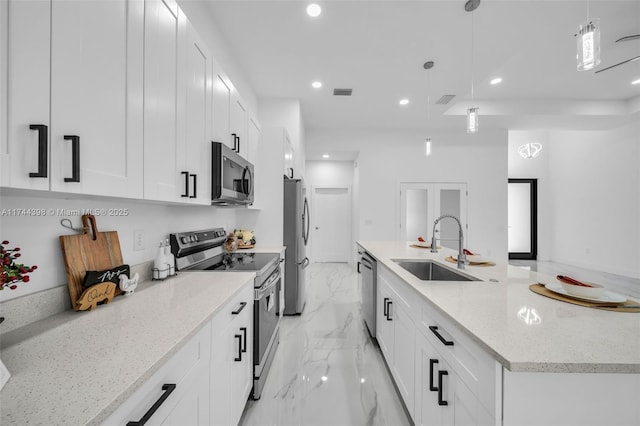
(331, 224)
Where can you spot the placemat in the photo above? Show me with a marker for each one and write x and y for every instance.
(627, 306)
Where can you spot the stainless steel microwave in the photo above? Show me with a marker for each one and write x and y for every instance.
(231, 177)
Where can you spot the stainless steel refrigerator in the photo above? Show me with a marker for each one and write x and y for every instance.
(296, 237)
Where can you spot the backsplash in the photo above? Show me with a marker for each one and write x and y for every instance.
(37, 235)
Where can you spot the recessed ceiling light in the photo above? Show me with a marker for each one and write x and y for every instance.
(314, 10)
(403, 101)
(636, 81)
(325, 156)
(316, 84)
(496, 80)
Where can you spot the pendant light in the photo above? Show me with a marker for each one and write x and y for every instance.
(472, 112)
(427, 142)
(588, 43)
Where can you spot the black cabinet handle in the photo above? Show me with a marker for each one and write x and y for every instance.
(441, 374)
(389, 303)
(195, 183)
(386, 307)
(358, 268)
(43, 137)
(432, 362)
(235, 141)
(75, 158)
(167, 388)
(186, 184)
(434, 330)
(244, 339)
(290, 172)
(239, 357)
(237, 311)
(238, 151)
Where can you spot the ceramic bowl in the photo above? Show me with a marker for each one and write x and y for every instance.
(594, 292)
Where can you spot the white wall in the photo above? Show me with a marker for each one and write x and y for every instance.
(588, 196)
(596, 176)
(535, 168)
(339, 174)
(390, 157)
(286, 113)
(37, 236)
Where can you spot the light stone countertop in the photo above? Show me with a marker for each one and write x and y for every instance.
(77, 367)
(564, 337)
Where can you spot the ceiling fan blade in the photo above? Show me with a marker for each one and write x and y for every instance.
(618, 64)
(629, 38)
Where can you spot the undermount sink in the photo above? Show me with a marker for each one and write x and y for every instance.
(428, 270)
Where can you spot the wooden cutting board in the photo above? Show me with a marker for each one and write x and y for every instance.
(91, 251)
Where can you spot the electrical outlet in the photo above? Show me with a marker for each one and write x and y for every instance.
(138, 240)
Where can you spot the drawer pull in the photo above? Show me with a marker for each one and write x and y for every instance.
(43, 132)
(386, 307)
(186, 184)
(75, 158)
(244, 339)
(434, 330)
(167, 388)
(237, 311)
(441, 374)
(389, 303)
(431, 363)
(239, 357)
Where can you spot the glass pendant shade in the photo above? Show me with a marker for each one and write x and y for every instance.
(588, 44)
(427, 147)
(472, 120)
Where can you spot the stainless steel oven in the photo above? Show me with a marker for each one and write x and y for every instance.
(202, 251)
(266, 320)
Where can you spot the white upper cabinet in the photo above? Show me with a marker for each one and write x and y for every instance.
(197, 121)
(28, 92)
(239, 124)
(74, 98)
(163, 149)
(221, 107)
(96, 75)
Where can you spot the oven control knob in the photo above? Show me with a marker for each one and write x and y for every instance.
(195, 238)
(184, 240)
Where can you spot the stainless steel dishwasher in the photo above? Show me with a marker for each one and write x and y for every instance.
(367, 269)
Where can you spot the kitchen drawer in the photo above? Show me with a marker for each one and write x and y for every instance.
(402, 293)
(185, 369)
(477, 370)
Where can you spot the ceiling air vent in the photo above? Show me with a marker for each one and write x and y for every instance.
(342, 92)
(445, 99)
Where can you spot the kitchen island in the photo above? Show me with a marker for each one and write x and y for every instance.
(553, 362)
(79, 367)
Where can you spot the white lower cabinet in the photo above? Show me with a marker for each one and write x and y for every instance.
(443, 377)
(232, 359)
(177, 394)
(395, 334)
(442, 398)
(207, 382)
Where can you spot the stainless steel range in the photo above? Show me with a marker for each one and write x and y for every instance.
(203, 251)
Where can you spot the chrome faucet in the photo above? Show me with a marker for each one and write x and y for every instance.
(462, 258)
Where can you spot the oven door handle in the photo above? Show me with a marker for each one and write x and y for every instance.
(271, 282)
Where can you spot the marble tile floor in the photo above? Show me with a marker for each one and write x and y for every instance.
(617, 283)
(327, 371)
